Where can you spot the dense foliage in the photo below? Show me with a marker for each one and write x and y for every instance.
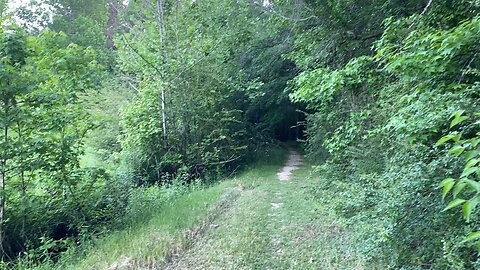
(43, 125)
(107, 105)
(105, 101)
(378, 117)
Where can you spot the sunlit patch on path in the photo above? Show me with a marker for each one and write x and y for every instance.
(293, 162)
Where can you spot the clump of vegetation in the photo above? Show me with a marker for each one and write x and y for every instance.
(110, 109)
(381, 116)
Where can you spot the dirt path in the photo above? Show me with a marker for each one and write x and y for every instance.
(272, 225)
(294, 161)
(257, 232)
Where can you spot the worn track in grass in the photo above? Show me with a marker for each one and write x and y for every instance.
(272, 225)
(293, 162)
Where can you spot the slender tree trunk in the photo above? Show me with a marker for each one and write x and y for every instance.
(162, 34)
(62, 170)
(184, 134)
(23, 188)
(161, 20)
(111, 23)
(24, 205)
(2, 208)
(157, 168)
(3, 179)
(164, 119)
(3, 176)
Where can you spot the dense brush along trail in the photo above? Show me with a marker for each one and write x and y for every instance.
(264, 219)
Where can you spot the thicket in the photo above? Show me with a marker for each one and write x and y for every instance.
(392, 121)
(109, 109)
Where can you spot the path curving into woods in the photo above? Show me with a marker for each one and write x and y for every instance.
(294, 161)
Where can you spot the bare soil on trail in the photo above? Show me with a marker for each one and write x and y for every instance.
(273, 224)
(294, 161)
(242, 238)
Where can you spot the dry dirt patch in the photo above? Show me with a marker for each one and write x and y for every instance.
(293, 162)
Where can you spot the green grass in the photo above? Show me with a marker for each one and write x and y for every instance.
(268, 225)
(275, 225)
(150, 244)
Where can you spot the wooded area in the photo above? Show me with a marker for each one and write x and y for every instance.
(101, 99)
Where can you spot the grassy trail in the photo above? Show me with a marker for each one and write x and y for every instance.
(272, 225)
(254, 221)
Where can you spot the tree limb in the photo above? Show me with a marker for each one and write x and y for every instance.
(426, 7)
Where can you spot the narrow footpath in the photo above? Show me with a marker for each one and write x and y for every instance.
(272, 225)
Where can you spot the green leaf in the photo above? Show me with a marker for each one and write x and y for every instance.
(456, 114)
(468, 207)
(458, 118)
(444, 139)
(473, 184)
(471, 154)
(454, 203)
(468, 171)
(472, 162)
(447, 185)
(457, 150)
(472, 237)
(457, 137)
(458, 188)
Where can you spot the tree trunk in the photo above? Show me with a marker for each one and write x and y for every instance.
(3, 171)
(161, 20)
(162, 34)
(111, 24)
(24, 205)
(164, 119)
(2, 209)
(23, 188)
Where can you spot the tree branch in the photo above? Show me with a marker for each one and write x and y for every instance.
(426, 7)
(231, 159)
(141, 56)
